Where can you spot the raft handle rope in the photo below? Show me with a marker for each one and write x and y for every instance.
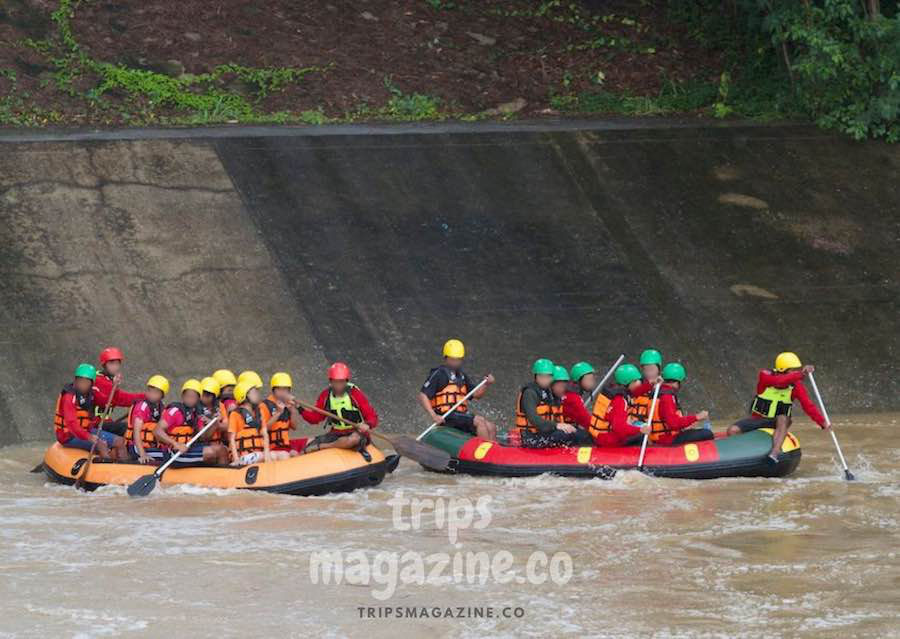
(847, 474)
(650, 415)
(454, 407)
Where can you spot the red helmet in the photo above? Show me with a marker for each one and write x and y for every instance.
(339, 370)
(110, 353)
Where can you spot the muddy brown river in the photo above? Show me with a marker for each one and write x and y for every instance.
(807, 556)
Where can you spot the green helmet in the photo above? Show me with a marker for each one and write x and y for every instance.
(560, 374)
(580, 370)
(673, 372)
(627, 373)
(87, 371)
(542, 366)
(651, 356)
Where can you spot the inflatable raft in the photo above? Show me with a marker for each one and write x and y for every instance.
(326, 471)
(739, 456)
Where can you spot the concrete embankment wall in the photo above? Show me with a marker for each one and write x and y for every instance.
(273, 249)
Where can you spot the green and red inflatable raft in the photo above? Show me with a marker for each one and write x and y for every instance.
(739, 456)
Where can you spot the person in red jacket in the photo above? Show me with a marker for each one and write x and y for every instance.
(75, 419)
(613, 428)
(348, 402)
(109, 373)
(575, 418)
(672, 427)
(776, 392)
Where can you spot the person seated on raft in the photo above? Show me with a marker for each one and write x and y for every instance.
(613, 428)
(651, 367)
(75, 418)
(109, 374)
(672, 427)
(178, 424)
(143, 416)
(346, 400)
(281, 415)
(776, 391)
(573, 410)
(446, 385)
(248, 436)
(539, 413)
(227, 382)
(209, 407)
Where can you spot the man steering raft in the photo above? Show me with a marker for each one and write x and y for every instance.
(776, 391)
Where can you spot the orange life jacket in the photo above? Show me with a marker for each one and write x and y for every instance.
(658, 427)
(148, 439)
(455, 390)
(280, 431)
(600, 409)
(548, 408)
(248, 430)
(183, 434)
(84, 411)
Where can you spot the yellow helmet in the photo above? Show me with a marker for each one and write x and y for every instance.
(281, 380)
(210, 385)
(241, 390)
(192, 384)
(454, 348)
(788, 360)
(250, 376)
(225, 377)
(160, 382)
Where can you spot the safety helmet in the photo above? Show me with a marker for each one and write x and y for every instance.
(110, 353)
(542, 366)
(673, 372)
(210, 385)
(252, 377)
(281, 380)
(651, 356)
(560, 374)
(159, 382)
(241, 390)
(787, 360)
(225, 377)
(627, 373)
(192, 384)
(454, 348)
(339, 370)
(87, 371)
(580, 370)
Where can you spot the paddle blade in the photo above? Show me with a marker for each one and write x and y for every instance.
(143, 486)
(425, 454)
(37, 469)
(848, 475)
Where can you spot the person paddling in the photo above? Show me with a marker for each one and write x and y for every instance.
(614, 427)
(446, 385)
(143, 416)
(178, 424)
(282, 415)
(76, 417)
(248, 436)
(776, 392)
(673, 428)
(651, 367)
(109, 375)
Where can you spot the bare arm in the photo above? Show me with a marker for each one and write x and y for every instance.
(426, 404)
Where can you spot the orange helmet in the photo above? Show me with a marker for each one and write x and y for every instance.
(339, 370)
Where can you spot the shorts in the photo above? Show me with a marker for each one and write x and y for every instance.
(461, 421)
(192, 456)
(86, 444)
(157, 454)
(753, 423)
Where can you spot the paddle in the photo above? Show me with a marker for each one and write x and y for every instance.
(145, 485)
(425, 454)
(454, 407)
(79, 483)
(640, 465)
(847, 474)
(37, 469)
(603, 381)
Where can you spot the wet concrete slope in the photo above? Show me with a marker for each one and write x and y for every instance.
(719, 246)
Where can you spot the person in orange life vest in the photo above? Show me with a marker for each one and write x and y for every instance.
(110, 372)
(282, 416)
(227, 382)
(209, 407)
(248, 434)
(350, 403)
(179, 423)
(670, 430)
(75, 417)
(776, 392)
(574, 414)
(615, 429)
(143, 417)
(446, 385)
(651, 366)
(539, 413)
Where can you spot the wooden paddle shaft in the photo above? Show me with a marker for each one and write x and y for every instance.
(812, 380)
(322, 411)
